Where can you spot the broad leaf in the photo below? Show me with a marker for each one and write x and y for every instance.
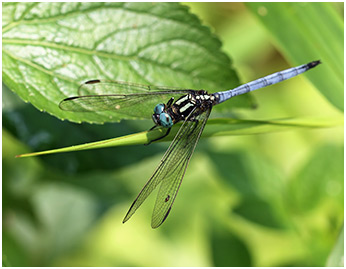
(49, 49)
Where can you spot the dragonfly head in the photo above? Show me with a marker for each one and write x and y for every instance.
(161, 117)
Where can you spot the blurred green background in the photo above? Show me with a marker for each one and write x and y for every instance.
(272, 199)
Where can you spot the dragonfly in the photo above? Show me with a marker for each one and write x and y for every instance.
(166, 106)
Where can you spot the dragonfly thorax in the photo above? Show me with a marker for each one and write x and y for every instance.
(186, 107)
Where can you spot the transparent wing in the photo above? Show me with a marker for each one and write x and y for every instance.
(106, 87)
(121, 97)
(171, 169)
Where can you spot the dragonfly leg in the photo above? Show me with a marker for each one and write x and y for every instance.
(170, 102)
(168, 130)
(152, 128)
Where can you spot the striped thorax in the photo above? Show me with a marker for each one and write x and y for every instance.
(187, 106)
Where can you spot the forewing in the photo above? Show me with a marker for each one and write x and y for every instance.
(120, 97)
(171, 170)
(106, 87)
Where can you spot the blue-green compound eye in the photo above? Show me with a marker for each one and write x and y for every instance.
(165, 120)
(159, 109)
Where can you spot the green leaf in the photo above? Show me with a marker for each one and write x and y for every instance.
(228, 249)
(65, 214)
(310, 31)
(336, 257)
(49, 49)
(14, 254)
(258, 211)
(215, 127)
(311, 185)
